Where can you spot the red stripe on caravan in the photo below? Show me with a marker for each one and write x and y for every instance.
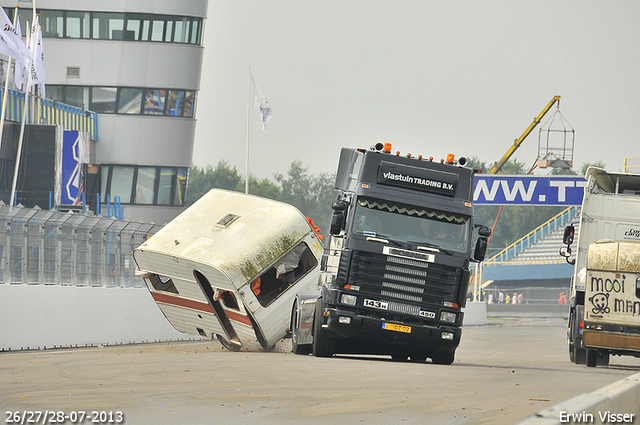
(238, 317)
(197, 305)
(182, 302)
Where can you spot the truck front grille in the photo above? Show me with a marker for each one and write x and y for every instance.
(404, 279)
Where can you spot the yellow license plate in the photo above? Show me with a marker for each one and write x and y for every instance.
(397, 328)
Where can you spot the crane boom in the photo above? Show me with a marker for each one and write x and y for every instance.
(516, 144)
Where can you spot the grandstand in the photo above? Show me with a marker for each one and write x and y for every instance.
(532, 264)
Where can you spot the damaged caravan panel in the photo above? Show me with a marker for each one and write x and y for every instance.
(231, 265)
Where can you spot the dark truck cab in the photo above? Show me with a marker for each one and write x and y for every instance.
(395, 275)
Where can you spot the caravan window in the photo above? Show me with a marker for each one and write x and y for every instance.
(162, 283)
(289, 269)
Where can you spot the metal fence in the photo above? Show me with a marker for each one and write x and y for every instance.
(50, 247)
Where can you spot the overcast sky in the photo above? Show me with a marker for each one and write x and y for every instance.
(431, 77)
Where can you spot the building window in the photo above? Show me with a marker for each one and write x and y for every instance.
(130, 101)
(165, 185)
(113, 26)
(121, 183)
(103, 99)
(180, 187)
(77, 96)
(108, 26)
(52, 23)
(144, 185)
(77, 24)
(154, 100)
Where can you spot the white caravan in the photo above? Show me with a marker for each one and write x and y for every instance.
(231, 266)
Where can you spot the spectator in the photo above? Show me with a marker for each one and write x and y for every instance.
(563, 298)
(500, 297)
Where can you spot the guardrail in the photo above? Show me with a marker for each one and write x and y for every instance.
(48, 111)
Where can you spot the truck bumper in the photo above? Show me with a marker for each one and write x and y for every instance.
(345, 324)
(609, 340)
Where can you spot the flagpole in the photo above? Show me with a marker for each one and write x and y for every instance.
(22, 125)
(6, 85)
(246, 183)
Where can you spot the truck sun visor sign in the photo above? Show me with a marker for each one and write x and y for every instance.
(417, 178)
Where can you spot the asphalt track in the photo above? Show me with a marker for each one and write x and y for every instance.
(503, 372)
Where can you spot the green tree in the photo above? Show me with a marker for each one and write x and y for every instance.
(265, 188)
(201, 180)
(599, 164)
(513, 167)
(476, 164)
(311, 194)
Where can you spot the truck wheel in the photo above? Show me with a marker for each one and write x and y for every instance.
(577, 355)
(603, 359)
(419, 356)
(592, 358)
(323, 345)
(295, 347)
(572, 354)
(443, 357)
(400, 356)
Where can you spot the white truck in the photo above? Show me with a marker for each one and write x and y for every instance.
(231, 266)
(604, 317)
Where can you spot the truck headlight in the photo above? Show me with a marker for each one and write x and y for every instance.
(447, 316)
(348, 299)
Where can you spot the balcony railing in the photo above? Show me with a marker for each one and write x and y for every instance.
(47, 111)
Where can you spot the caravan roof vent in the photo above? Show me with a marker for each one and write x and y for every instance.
(227, 220)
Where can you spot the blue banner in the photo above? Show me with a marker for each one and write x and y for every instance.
(497, 189)
(74, 152)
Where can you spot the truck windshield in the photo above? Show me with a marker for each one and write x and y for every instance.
(411, 224)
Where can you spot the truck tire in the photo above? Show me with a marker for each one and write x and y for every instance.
(577, 355)
(400, 356)
(592, 358)
(443, 357)
(296, 348)
(323, 345)
(418, 357)
(603, 359)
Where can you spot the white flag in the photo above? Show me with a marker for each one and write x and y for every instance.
(38, 62)
(20, 69)
(11, 43)
(260, 101)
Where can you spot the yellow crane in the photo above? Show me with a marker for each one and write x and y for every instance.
(516, 144)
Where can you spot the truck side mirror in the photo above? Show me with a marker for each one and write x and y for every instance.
(566, 253)
(481, 248)
(483, 230)
(567, 238)
(338, 216)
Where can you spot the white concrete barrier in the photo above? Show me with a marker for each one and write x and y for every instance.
(475, 313)
(52, 316)
(616, 403)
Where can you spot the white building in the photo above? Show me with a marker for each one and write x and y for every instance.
(137, 63)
